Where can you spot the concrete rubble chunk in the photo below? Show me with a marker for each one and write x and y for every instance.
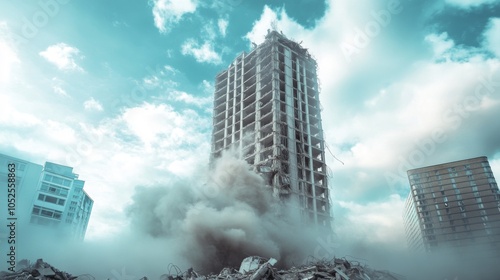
(46, 271)
(341, 273)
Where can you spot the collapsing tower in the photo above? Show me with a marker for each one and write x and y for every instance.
(266, 105)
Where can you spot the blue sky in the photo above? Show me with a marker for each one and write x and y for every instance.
(122, 91)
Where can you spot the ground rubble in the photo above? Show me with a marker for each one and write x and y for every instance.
(39, 270)
(252, 268)
(336, 269)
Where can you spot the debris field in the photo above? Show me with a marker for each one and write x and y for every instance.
(252, 268)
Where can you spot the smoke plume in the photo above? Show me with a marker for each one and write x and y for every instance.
(218, 219)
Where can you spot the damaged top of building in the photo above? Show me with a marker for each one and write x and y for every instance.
(267, 108)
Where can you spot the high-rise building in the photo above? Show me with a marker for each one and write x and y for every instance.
(49, 198)
(27, 175)
(61, 201)
(454, 206)
(266, 107)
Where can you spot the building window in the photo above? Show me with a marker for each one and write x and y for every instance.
(46, 212)
(53, 189)
(57, 180)
(51, 199)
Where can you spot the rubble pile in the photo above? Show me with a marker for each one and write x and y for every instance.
(252, 268)
(338, 269)
(256, 268)
(40, 270)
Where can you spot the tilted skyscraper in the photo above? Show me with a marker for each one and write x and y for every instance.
(50, 198)
(453, 205)
(266, 106)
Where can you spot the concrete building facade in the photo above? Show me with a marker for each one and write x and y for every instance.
(453, 205)
(266, 107)
(50, 199)
(60, 201)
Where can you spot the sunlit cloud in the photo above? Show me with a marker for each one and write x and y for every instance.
(63, 56)
(167, 13)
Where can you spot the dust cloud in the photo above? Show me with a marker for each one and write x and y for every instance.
(220, 218)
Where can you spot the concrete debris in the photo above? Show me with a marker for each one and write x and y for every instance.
(40, 270)
(252, 268)
(258, 268)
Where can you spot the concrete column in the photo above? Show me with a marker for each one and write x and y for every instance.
(290, 119)
(309, 152)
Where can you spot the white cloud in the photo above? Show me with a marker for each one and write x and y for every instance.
(8, 55)
(202, 53)
(440, 43)
(189, 98)
(60, 91)
(151, 124)
(375, 222)
(169, 12)
(11, 117)
(209, 31)
(492, 36)
(92, 105)
(284, 23)
(161, 77)
(445, 49)
(63, 56)
(207, 87)
(222, 24)
(465, 4)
